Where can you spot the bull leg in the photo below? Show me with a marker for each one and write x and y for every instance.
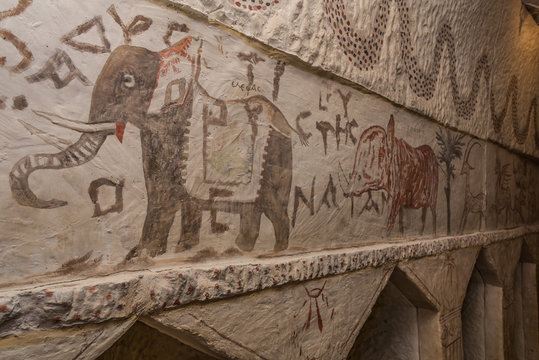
(423, 218)
(191, 221)
(391, 219)
(249, 226)
(275, 189)
(281, 225)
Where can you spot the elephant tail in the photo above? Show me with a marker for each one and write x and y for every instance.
(280, 123)
(303, 138)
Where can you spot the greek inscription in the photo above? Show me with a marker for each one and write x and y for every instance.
(298, 195)
(96, 22)
(18, 9)
(245, 87)
(172, 27)
(93, 192)
(21, 48)
(50, 71)
(138, 25)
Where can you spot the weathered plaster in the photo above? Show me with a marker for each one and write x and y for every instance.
(119, 296)
(77, 342)
(240, 175)
(406, 35)
(100, 227)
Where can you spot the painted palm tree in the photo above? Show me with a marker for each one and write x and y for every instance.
(450, 149)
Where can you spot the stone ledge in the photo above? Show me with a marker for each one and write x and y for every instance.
(122, 295)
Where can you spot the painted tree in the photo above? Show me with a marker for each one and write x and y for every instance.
(450, 149)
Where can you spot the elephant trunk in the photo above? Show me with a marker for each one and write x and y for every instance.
(76, 154)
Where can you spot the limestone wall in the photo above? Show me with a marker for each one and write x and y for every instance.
(160, 153)
(461, 63)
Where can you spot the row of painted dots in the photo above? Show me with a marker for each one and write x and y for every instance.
(251, 4)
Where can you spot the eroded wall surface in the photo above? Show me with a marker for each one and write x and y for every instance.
(167, 134)
(156, 153)
(461, 63)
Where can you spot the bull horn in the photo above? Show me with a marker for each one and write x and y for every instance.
(469, 148)
(75, 125)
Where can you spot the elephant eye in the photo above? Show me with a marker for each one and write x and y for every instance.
(128, 80)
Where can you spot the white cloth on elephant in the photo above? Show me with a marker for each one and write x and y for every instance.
(228, 156)
(226, 147)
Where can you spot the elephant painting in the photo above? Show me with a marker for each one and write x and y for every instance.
(125, 92)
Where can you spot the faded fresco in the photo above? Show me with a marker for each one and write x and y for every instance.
(512, 185)
(396, 48)
(134, 139)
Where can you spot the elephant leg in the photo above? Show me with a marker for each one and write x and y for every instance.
(249, 227)
(161, 162)
(278, 215)
(159, 219)
(275, 189)
(191, 221)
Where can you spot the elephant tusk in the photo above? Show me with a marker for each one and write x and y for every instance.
(75, 125)
(48, 138)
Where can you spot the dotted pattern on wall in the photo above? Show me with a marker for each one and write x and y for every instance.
(253, 4)
(364, 53)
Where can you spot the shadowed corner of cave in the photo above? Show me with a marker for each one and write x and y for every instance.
(145, 342)
(489, 315)
(403, 324)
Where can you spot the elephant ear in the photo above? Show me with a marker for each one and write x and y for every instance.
(171, 56)
(174, 77)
